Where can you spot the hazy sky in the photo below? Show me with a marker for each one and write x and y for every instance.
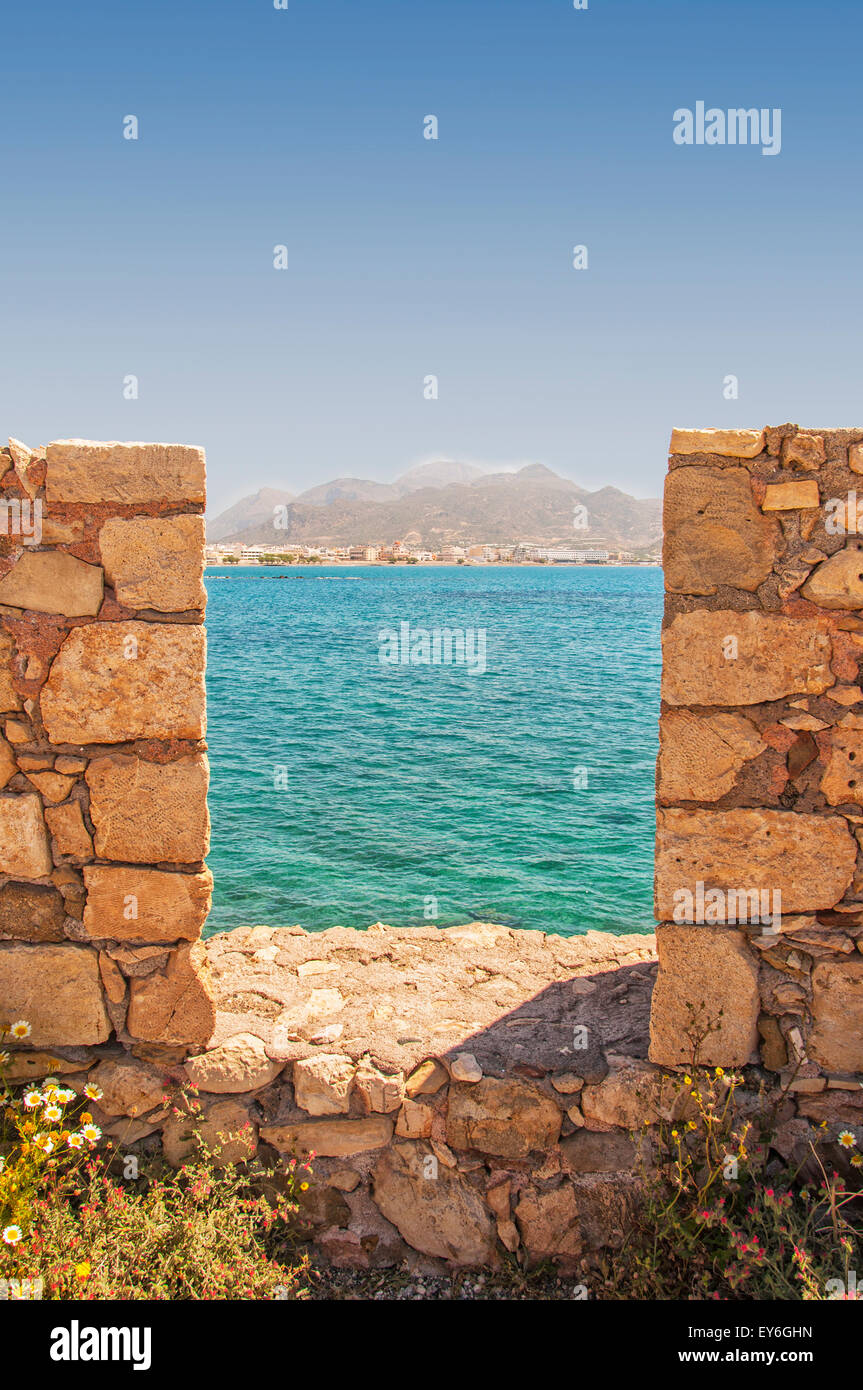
(409, 257)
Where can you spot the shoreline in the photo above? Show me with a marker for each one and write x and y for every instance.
(436, 564)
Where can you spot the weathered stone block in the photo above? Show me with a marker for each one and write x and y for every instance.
(705, 1003)
(549, 1223)
(843, 776)
(334, 1138)
(9, 698)
(323, 1082)
(701, 755)
(24, 851)
(80, 470)
(174, 1006)
(807, 859)
(728, 658)
(442, 1216)
(113, 682)
(155, 562)
(70, 834)
(631, 1095)
(8, 765)
(129, 1087)
(50, 581)
(146, 904)
(509, 1117)
(789, 497)
(837, 582)
(714, 532)
(239, 1064)
(57, 990)
(836, 1040)
(30, 912)
(803, 451)
(149, 813)
(742, 444)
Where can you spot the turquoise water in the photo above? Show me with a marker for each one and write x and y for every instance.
(347, 791)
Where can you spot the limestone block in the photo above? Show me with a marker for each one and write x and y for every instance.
(149, 813)
(442, 1216)
(549, 1223)
(775, 656)
(428, 1078)
(842, 781)
(31, 912)
(9, 697)
(836, 1040)
(808, 859)
(155, 562)
(57, 990)
(378, 1092)
(24, 851)
(509, 1117)
(174, 1006)
(803, 451)
(146, 904)
(701, 755)
(50, 581)
(323, 1082)
(70, 834)
(8, 765)
(742, 444)
(333, 1138)
(53, 785)
(112, 682)
(631, 1095)
(705, 1003)
(837, 582)
(714, 532)
(788, 497)
(81, 470)
(129, 1087)
(239, 1064)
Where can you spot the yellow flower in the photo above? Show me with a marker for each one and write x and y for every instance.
(687, 1080)
(4, 1058)
(75, 1141)
(21, 1029)
(92, 1091)
(32, 1099)
(692, 1125)
(719, 1072)
(83, 1269)
(53, 1113)
(86, 1117)
(857, 1161)
(12, 1235)
(304, 1187)
(44, 1142)
(847, 1140)
(65, 1095)
(92, 1133)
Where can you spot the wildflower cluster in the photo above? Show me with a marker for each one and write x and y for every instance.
(724, 1216)
(73, 1225)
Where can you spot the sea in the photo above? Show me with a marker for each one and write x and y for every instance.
(424, 745)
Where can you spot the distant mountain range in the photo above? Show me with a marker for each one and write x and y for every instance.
(446, 502)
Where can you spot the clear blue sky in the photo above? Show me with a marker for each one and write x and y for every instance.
(409, 257)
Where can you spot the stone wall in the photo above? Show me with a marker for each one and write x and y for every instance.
(759, 874)
(477, 1091)
(103, 812)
